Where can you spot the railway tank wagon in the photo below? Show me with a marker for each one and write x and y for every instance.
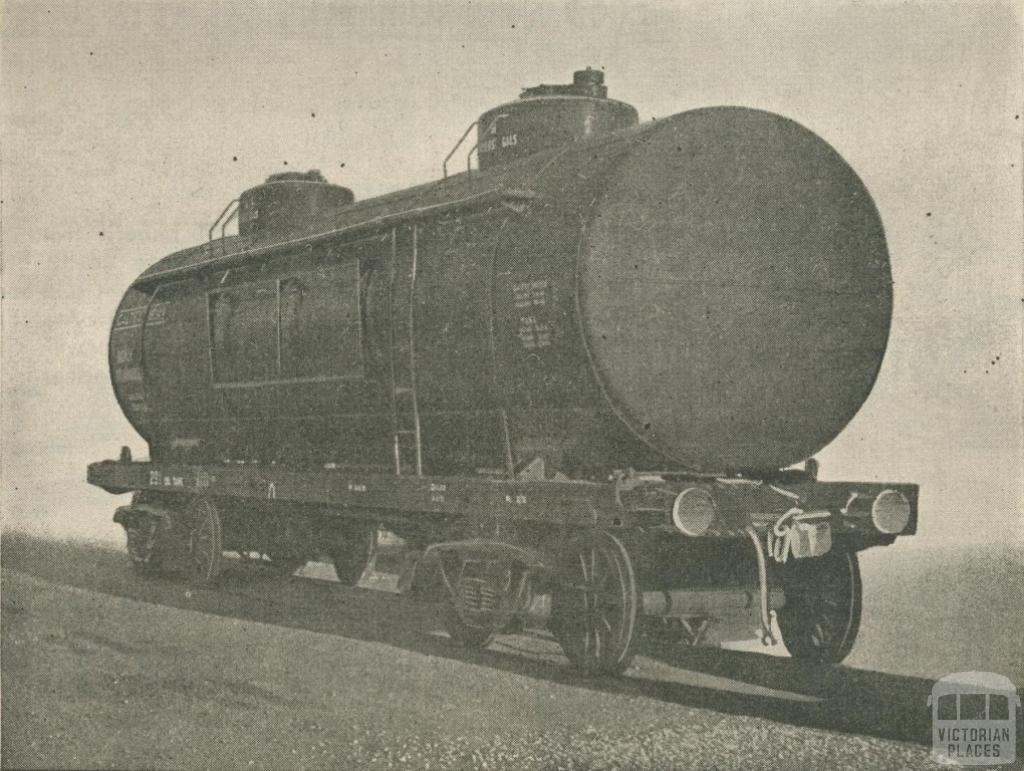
(571, 378)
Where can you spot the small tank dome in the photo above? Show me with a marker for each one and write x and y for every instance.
(550, 115)
(292, 200)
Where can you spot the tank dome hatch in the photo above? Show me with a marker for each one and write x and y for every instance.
(546, 116)
(292, 200)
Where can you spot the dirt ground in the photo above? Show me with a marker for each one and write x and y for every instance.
(105, 670)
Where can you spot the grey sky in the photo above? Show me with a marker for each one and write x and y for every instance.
(128, 126)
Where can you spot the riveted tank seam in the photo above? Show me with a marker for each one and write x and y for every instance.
(621, 413)
(142, 342)
(496, 394)
(129, 415)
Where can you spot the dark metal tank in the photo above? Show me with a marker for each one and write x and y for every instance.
(548, 116)
(708, 292)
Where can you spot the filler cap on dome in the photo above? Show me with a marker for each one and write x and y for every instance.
(588, 82)
(291, 200)
(547, 116)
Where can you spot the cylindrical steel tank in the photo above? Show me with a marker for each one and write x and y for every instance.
(734, 290)
(710, 292)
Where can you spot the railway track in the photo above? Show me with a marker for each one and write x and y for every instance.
(356, 678)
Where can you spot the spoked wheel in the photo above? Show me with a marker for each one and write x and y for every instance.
(594, 608)
(820, 619)
(352, 551)
(204, 542)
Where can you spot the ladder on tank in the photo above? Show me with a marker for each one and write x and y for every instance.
(405, 414)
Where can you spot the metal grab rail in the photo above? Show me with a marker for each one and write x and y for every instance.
(444, 165)
(225, 223)
(469, 155)
(491, 129)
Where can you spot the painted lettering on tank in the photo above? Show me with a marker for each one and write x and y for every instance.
(157, 314)
(129, 317)
(534, 333)
(530, 293)
(133, 317)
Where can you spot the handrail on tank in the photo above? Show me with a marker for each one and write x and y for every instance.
(490, 130)
(444, 165)
(224, 227)
(469, 155)
(220, 216)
